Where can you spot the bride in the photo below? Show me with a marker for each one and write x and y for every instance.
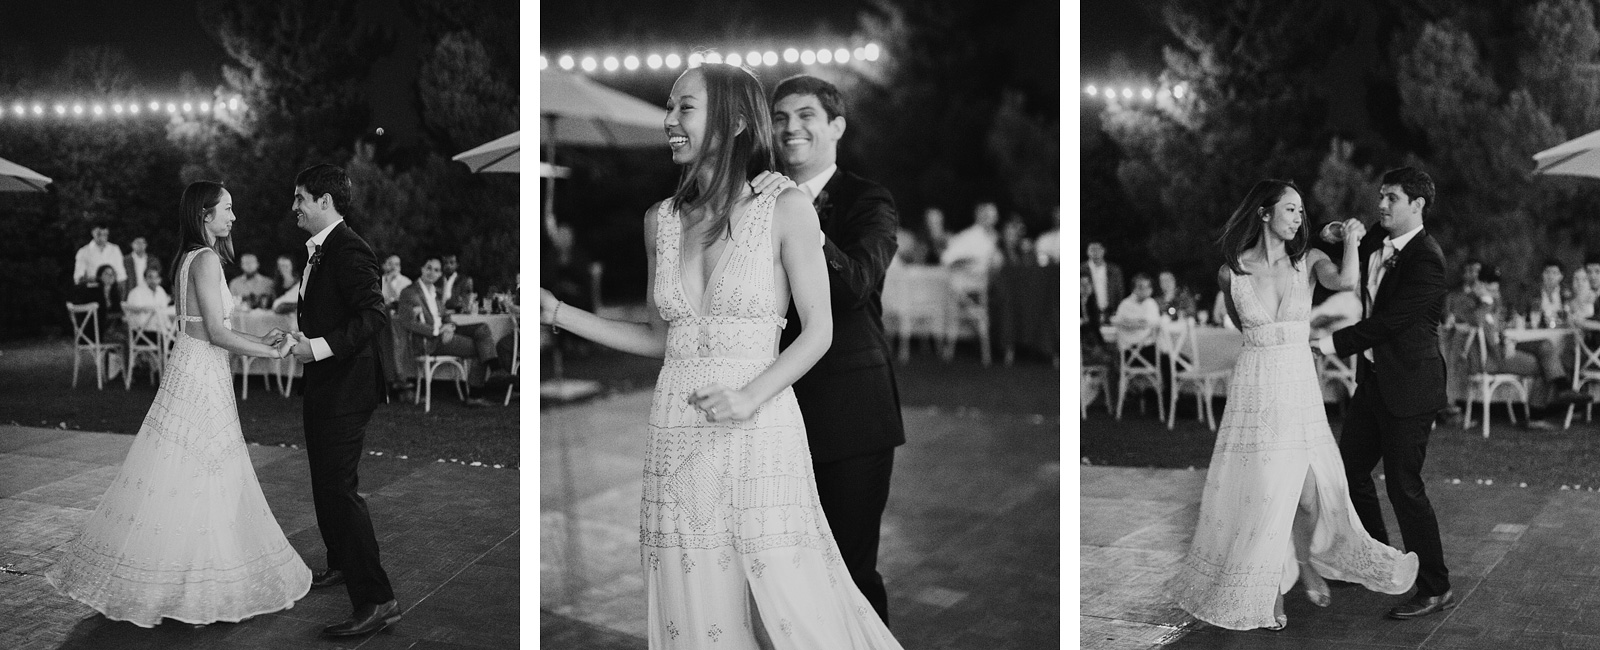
(735, 548)
(184, 531)
(1276, 507)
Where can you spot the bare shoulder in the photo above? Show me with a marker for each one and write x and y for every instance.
(1316, 255)
(1224, 277)
(793, 209)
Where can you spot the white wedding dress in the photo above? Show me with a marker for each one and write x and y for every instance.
(735, 547)
(1273, 431)
(184, 531)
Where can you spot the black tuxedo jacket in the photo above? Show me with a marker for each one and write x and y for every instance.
(1402, 327)
(850, 401)
(344, 306)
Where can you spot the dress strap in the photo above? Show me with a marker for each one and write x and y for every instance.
(183, 289)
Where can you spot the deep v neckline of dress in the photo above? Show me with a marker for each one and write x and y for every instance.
(1275, 314)
(695, 305)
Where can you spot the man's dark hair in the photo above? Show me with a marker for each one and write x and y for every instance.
(826, 93)
(1593, 258)
(327, 179)
(1415, 183)
(1551, 261)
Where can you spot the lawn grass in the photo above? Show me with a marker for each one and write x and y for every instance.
(36, 391)
(1512, 455)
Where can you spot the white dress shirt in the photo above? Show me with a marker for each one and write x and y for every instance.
(1375, 272)
(975, 244)
(319, 347)
(392, 286)
(432, 303)
(814, 186)
(93, 256)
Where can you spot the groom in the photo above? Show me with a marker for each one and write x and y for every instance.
(341, 314)
(849, 399)
(1400, 377)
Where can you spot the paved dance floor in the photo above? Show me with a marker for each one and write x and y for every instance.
(1524, 564)
(971, 537)
(449, 536)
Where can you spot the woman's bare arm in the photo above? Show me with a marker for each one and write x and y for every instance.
(206, 277)
(647, 339)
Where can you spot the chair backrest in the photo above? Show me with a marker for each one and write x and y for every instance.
(85, 323)
(516, 344)
(1179, 343)
(147, 326)
(1132, 360)
(1477, 351)
(1586, 359)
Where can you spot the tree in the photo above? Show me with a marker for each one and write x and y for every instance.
(1235, 109)
(1482, 119)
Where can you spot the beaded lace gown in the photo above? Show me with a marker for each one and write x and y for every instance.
(184, 531)
(735, 548)
(1273, 431)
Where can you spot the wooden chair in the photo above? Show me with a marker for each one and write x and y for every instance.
(150, 332)
(969, 307)
(1093, 380)
(914, 301)
(1132, 365)
(1482, 384)
(428, 365)
(86, 338)
(516, 352)
(1187, 367)
(1585, 371)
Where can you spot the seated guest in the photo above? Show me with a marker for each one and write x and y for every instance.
(1536, 358)
(150, 294)
(1582, 303)
(1460, 305)
(1015, 247)
(106, 290)
(288, 282)
(976, 248)
(251, 288)
(421, 312)
(1550, 302)
(1176, 302)
(393, 281)
(1138, 314)
(455, 287)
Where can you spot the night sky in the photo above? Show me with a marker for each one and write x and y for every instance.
(163, 39)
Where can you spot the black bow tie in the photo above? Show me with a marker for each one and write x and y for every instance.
(316, 256)
(821, 202)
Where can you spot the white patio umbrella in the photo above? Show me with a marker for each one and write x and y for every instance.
(1577, 157)
(16, 178)
(575, 110)
(501, 155)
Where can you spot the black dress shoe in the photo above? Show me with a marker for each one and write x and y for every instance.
(1420, 606)
(326, 578)
(366, 620)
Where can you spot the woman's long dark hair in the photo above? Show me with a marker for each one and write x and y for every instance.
(198, 200)
(735, 155)
(1245, 228)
